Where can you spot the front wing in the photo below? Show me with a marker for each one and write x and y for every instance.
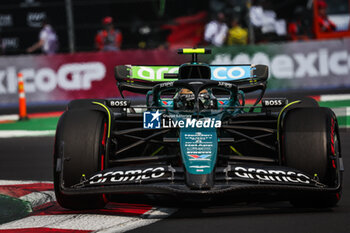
(233, 179)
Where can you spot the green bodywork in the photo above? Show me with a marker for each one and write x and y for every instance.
(153, 73)
(198, 145)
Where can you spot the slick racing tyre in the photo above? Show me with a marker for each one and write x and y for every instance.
(305, 102)
(80, 146)
(310, 143)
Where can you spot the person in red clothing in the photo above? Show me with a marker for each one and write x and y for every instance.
(298, 27)
(108, 39)
(325, 24)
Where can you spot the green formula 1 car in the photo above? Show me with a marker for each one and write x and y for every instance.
(197, 139)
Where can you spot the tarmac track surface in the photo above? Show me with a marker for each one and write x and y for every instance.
(31, 159)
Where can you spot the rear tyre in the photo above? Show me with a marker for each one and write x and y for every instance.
(310, 144)
(80, 139)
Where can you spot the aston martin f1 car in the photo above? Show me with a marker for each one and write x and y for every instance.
(197, 138)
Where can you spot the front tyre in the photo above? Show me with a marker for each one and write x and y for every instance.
(310, 143)
(80, 146)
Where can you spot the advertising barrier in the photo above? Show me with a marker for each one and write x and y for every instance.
(63, 77)
(71, 76)
(295, 65)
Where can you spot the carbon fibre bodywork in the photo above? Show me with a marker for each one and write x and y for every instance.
(196, 137)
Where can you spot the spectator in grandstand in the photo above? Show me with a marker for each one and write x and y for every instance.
(109, 38)
(237, 34)
(48, 40)
(216, 30)
(298, 28)
(325, 24)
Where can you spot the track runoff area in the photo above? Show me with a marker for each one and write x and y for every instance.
(30, 206)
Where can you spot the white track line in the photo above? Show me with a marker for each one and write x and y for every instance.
(13, 117)
(25, 133)
(341, 111)
(335, 97)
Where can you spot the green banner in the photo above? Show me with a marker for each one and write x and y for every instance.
(153, 73)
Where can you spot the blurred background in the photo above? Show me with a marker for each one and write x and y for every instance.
(67, 49)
